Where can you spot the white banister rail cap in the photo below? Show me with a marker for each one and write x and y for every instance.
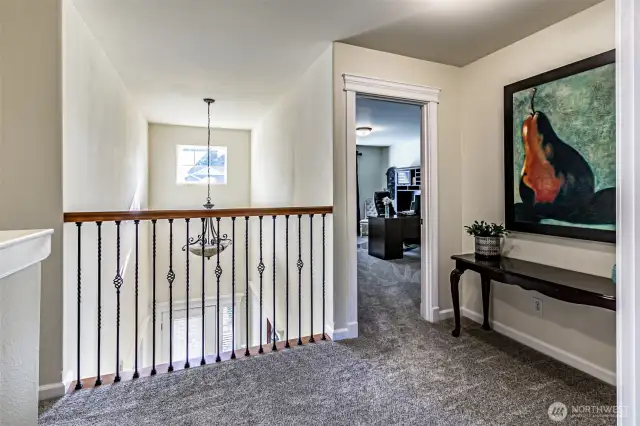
(20, 249)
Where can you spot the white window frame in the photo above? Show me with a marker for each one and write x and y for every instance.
(177, 164)
(195, 309)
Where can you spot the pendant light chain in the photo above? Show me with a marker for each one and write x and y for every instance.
(208, 152)
(209, 237)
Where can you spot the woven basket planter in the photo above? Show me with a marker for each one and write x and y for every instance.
(487, 247)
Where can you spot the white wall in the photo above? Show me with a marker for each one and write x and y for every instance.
(584, 332)
(405, 154)
(372, 169)
(291, 162)
(31, 149)
(165, 193)
(105, 168)
(371, 63)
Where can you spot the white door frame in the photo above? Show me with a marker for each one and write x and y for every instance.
(428, 98)
(628, 210)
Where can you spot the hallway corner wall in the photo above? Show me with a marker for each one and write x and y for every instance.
(587, 334)
(291, 165)
(31, 150)
(105, 167)
(371, 63)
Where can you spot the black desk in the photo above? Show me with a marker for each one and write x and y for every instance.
(561, 284)
(386, 235)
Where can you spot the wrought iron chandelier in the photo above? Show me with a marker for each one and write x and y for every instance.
(209, 242)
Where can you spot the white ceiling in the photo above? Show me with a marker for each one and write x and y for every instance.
(392, 122)
(458, 32)
(245, 53)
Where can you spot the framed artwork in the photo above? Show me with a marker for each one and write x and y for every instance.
(560, 151)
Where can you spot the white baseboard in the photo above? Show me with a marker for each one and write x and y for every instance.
(348, 332)
(547, 349)
(444, 314)
(50, 391)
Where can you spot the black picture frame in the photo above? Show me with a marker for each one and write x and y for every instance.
(538, 228)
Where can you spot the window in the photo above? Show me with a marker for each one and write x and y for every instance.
(195, 332)
(191, 165)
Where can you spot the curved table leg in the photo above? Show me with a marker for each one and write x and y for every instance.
(455, 296)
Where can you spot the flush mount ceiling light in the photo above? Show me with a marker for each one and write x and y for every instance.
(363, 131)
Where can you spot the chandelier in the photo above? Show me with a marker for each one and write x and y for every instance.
(209, 242)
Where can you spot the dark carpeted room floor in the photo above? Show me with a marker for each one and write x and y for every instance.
(401, 370)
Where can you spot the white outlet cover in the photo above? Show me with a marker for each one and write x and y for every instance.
(537, 306)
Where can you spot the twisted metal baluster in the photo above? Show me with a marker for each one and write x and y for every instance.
(136, 373)
(186, 362)
(117, 282)
(311, 339)
(246, 286)
(79, 226)
(260, 271)
(300, 264)
(153, 266)
(324, 336)
(203, 361)
(171, 276)
(98, 376)
(218, 275)
(274, 347)
(286, 345)
(233, 288)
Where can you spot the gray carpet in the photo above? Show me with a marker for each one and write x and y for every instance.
(401, 370)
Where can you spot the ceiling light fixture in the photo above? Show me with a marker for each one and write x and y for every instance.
(363, 131)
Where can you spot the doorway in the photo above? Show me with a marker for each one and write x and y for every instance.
(426, 99)
(389, 191)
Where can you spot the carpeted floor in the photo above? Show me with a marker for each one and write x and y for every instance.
(401, 370)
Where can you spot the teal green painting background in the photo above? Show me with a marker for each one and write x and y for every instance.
(581, 109)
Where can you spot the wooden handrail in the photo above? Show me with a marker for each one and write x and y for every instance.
(77, 217)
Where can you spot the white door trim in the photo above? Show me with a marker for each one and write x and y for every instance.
(391, 89)
(628, 216)
(428, 97)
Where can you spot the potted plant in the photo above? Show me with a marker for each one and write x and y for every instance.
(487, 237)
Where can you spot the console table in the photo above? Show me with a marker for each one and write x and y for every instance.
(561, 284)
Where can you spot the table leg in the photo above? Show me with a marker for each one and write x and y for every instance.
(455, 296)
(486, 291)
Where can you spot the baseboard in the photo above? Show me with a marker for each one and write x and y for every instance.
(348, 332)
(444, 314)
(561, 355)
(50, 391)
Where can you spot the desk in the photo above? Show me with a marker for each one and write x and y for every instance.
(386, 235)
(561, 284)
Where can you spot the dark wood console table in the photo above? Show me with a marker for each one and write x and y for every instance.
(561, 284)
(386, 235)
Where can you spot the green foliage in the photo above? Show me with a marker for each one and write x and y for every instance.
(484, 229)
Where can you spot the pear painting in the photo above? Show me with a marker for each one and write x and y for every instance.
(560, 151)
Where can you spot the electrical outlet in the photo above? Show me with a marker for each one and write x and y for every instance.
(537, 306)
